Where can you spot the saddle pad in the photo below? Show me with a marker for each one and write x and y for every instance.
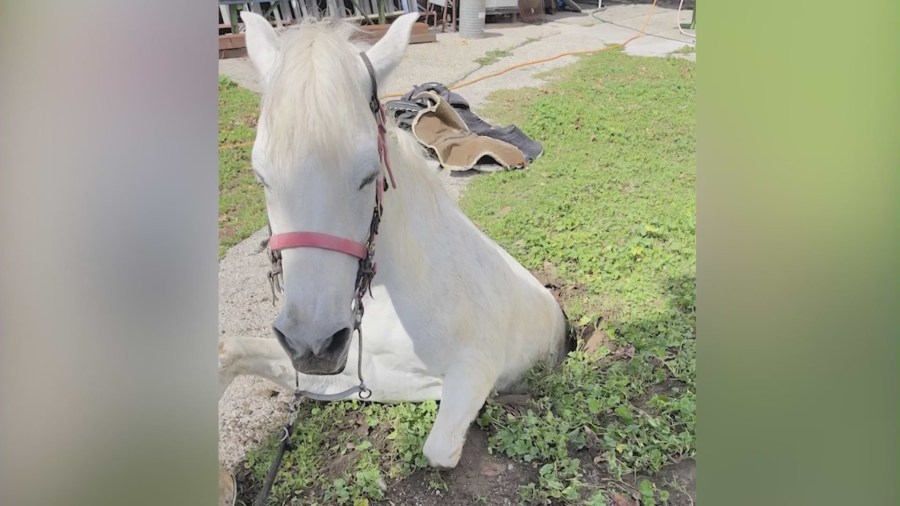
(441, 129)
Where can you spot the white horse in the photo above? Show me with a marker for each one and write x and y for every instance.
(452, 315)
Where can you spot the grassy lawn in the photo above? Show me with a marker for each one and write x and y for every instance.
(242, 207)
(608, 214)
(610, 209)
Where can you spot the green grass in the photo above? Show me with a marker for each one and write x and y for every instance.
(610, 209)
(495, 55)
(611, 203)
(242, 207)
(492, 56)
(346, 452)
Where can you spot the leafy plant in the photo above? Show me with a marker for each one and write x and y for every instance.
(597, 499)
(650, 494)
(559, 481)
(366, 444)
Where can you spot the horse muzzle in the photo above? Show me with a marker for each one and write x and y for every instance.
(328, 356)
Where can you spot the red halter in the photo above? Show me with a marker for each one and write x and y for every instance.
(287, 240)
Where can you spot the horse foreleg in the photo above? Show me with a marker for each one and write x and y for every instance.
(464, 392)
(265, 358)
(253, 356)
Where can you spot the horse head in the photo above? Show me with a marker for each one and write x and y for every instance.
(316, 153)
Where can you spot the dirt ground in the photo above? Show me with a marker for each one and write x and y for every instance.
(485, 479)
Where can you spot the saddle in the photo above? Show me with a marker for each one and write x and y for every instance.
(443, 122)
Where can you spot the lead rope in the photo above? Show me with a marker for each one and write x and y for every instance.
(284, 446)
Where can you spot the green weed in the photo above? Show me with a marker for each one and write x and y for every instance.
(492, 56)
(597, 499)
(650, 495)
(365, 445)
(436, 482)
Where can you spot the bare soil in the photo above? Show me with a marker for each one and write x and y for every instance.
(483, 478)
(480, 478)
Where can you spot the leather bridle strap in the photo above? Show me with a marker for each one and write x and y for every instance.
(374, 103)
(378, 111)
(318, 240)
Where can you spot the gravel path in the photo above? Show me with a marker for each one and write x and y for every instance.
(253, 408)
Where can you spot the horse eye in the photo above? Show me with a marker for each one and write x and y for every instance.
(368, 180)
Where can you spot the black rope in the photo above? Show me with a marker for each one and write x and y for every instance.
(285, 446)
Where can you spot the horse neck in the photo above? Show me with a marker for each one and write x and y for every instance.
(419, 220)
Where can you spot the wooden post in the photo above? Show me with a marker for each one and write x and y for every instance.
(235, 19)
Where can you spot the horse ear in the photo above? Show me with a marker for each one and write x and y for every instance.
(262, 43)
(387, 52)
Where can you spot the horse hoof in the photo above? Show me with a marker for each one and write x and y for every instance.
(442, 455)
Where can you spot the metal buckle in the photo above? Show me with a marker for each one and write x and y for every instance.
(274, 273)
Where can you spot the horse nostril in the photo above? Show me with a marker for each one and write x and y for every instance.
(334, 344)
(282, 340)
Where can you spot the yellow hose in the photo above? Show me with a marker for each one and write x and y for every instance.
(640, 33)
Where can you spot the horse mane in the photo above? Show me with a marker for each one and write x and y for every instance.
(314, 91)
